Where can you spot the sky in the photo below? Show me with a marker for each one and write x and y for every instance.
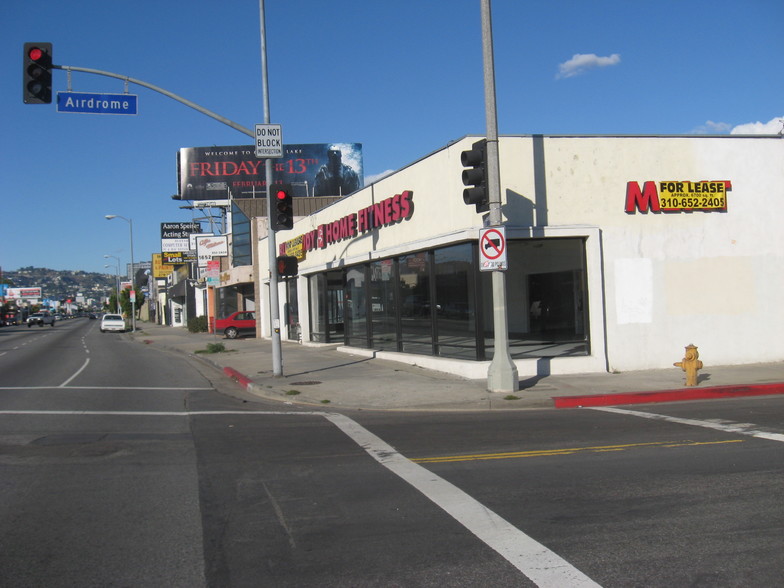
(402, 78)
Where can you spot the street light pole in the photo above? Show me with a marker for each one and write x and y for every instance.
(116, 281)
(133, 298)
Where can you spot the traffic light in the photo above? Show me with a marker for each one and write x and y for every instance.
(282, 207)
(475, 176)
(37, 73)
(287, 266)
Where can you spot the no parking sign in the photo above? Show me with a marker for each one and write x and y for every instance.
(492, 249)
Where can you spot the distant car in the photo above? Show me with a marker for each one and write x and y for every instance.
(40, 319)
(112, 322)
(236, 324)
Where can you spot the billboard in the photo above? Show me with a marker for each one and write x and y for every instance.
(210, 246)
(174, 236)
(318, 169)
(160, 269)
(32, 293)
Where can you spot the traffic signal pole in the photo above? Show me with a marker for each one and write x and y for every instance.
(277, 350)
(502, 373)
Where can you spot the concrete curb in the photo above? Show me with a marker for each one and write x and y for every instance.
(667, 395)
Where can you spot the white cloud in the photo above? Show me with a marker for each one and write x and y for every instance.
(774, 126)
(582, 62)
(712, 128)
(376, 177)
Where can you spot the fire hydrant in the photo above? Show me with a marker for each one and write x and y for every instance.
(690, 364)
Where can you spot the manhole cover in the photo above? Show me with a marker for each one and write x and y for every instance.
(309, 383)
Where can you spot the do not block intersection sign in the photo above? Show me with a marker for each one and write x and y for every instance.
(269, 141)
(492, 249)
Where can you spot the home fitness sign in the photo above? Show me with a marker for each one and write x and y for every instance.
(388, 212)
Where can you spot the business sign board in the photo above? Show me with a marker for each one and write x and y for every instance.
(23, 293)
(318, 169)
(211, 273)
(178, 257)
(174, 236)
(677, 196)
(210, 246)
(159, 268)
(194, 236)
(85, 103)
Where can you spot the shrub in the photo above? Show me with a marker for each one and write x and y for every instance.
(197, 324)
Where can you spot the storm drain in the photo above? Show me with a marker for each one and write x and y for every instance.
(307, 383)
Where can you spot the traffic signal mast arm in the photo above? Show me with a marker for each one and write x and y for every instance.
(185, 101)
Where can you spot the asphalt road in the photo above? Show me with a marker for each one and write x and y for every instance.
(123, 465)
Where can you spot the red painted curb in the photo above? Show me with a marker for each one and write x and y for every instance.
(668, 395)
(243, 381)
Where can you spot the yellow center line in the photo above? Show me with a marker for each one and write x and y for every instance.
(565, 451)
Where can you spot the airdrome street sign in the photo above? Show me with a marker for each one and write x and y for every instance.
(84, 103)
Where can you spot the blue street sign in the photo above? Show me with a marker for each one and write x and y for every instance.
(85, 103)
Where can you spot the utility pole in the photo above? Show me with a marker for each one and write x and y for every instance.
(502, 374)
(277, 361)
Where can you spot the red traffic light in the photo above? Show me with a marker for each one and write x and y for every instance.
(37, 73)
(282, 217)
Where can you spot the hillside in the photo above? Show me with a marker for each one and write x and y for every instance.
(61, 284)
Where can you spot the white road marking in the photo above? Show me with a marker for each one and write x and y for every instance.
(748, 429)
(542, 566)
(539, 564)
(62, 387)
(79, 371)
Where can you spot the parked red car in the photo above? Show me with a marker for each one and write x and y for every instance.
(236, 324)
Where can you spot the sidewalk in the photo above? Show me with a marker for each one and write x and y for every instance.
(327, 377)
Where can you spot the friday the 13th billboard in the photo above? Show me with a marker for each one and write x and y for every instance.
(319, 169)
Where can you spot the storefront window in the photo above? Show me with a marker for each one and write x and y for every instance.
(455, 301)
(439, 303)
(326, 299)
(355, 307)
(318, 317)
(546, 297)
(383, 305)
(416, 311)
(291, 314)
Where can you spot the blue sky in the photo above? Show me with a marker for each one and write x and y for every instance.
(403, 78)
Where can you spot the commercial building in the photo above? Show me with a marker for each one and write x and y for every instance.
(621, 251)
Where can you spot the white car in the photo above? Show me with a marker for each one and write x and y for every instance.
(112, 322)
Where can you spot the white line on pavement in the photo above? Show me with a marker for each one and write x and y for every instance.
(79, 371)
(539, 564)
(61, 387)
(726, 427)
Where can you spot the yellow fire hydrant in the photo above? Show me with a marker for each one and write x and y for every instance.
(690, 364)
